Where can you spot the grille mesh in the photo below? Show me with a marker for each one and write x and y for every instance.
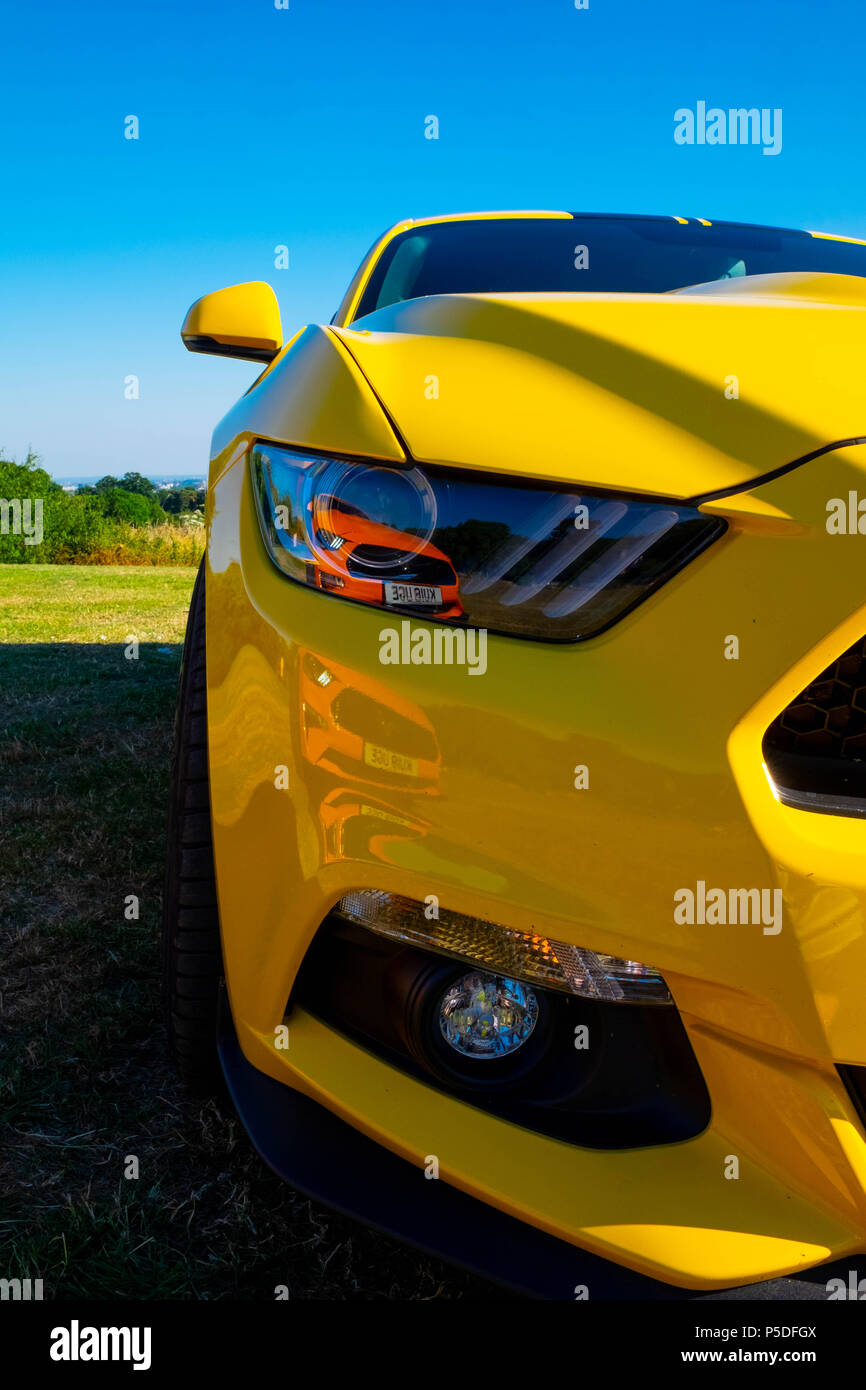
(817, 745)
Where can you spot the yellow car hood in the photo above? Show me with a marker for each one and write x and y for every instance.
(674, 394)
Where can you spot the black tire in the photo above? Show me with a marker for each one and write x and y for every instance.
(191, 951)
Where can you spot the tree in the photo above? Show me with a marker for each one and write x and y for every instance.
(182, 499)
(136, 482)
(130, 506)
(34, 514)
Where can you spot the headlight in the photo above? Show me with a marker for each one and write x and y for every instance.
(506, 556)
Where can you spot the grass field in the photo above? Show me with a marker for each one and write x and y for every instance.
(85, 738)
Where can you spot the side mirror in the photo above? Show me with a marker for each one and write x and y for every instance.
(241, 321)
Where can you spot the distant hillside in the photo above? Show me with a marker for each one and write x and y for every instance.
(158, 479)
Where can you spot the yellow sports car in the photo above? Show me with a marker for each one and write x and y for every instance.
(517, 849)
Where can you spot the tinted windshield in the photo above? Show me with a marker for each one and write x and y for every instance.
(641, 255)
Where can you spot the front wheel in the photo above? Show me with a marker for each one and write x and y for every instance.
(191, 951)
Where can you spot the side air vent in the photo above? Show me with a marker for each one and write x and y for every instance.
(815, 750)
(855, 1084)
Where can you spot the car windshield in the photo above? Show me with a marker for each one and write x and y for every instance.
(627, 254)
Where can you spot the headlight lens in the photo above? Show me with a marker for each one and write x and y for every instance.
(505, 556)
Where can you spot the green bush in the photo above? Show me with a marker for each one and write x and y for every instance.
(162, 544)
(131, 506)
(42, 524)
(178, 500)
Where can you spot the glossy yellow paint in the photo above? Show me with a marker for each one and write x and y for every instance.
(670, 730)
(312, 392)
(678, 794)
(241, 321)
(641, 378)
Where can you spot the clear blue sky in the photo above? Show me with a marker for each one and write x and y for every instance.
(306, 127)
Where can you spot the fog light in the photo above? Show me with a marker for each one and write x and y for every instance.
(487, 1015)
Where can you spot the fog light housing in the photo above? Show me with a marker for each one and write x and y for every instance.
(483, 1015)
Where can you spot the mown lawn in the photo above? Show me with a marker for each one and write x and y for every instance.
(102, 603)
(85, 739)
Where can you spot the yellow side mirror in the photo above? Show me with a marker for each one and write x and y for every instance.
(241, 321)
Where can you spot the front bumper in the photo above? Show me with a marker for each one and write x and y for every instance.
(328, 1160)
(671, 732)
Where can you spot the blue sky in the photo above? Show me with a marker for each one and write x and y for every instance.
(305, 127)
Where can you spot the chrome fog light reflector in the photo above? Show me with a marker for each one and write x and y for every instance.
(483, 1015)
(505, 952)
